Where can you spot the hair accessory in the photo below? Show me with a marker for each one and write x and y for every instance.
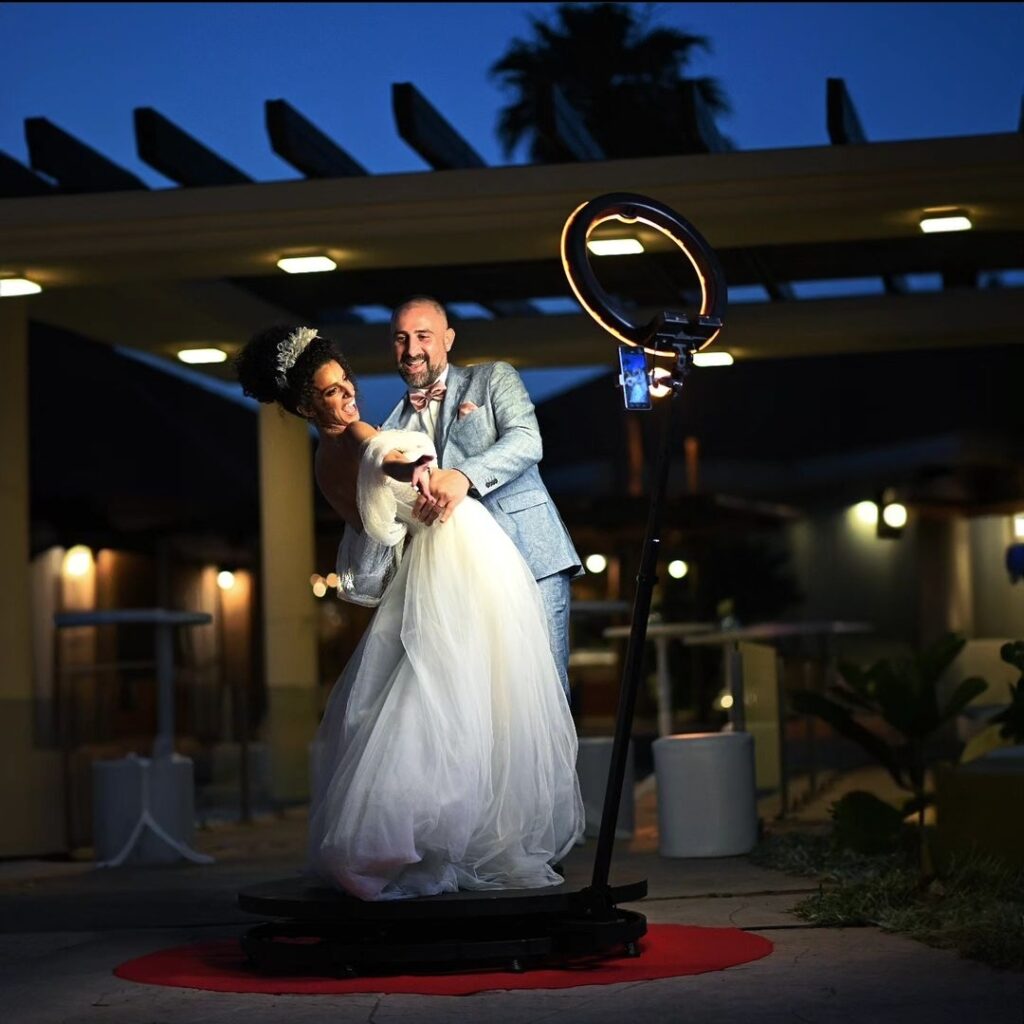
(289, 350)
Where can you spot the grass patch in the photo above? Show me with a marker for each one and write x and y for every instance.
(976, 907)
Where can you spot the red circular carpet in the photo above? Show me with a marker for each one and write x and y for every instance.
(667, 951)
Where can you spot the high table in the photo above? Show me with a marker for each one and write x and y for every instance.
(659, 633)
(773, 632)
(166, 622)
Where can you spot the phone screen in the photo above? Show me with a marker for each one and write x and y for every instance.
(635, 391)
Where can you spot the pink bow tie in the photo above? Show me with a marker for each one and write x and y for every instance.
(420, 397)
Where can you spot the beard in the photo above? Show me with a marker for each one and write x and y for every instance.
(420, 375)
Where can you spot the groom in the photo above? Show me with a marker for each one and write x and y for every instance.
(488, 445)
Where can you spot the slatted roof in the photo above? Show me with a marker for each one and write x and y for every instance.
(162, 268)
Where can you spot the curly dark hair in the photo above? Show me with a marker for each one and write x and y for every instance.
(256, 368)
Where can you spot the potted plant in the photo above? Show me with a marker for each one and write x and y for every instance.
(978, 803)
(904, 695)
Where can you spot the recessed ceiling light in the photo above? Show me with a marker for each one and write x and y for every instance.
(11, 287)
(615, 246)
(936, 221)
(306, 264)
(712, 359)
(195, 356)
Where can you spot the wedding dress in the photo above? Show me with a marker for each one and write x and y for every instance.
(446, 758)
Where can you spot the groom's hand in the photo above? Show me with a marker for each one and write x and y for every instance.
(447, 487)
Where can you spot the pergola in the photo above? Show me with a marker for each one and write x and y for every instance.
(163, 269)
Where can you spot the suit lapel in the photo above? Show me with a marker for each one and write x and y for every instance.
(458, 381)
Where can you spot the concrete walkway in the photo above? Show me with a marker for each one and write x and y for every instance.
(64, 927)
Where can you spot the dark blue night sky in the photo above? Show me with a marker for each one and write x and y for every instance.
(914, 70)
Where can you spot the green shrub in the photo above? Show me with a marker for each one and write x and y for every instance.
(865, 824)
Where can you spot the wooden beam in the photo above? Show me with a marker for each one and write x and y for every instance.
(300, 143)
(74, 165)
(757, 261)
(176, 155)
(512, 307)
(828, 196)
(704, 136)
(428, 133)
(17, 180)
(766, 330)
(563, 126)
(844, 125)
(158, 316)
(845, 128)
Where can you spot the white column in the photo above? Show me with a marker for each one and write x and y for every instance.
(289, 607)
(31, 796)
(946, 600)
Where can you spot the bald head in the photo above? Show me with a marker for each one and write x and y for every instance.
(418, 300)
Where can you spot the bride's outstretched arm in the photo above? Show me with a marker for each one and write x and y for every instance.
(397, 463)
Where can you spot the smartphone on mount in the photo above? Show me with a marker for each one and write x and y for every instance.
(635, 382)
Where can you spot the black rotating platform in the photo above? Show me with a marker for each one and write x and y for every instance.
(325, 932)
(319, 930)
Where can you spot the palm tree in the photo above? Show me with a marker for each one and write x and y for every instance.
(624, 78)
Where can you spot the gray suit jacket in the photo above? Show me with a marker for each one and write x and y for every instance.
(498, 446)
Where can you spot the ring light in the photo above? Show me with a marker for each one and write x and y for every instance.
(662, 335)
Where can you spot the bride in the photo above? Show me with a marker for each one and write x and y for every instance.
(446, 755)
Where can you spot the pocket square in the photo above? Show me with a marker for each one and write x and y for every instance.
(466, 408)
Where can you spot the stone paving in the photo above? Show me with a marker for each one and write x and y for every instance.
(65, 926)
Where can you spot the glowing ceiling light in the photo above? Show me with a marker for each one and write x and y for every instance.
(319, 588)
(712, 359)
(333, 580)
(596, 563)
(225, 579)
(195, 356)
(936, 221)
(12, 287)
(77, 561)
(614, 246)
(866, 513)
(678, 569)
(726, 701)
(895, 515)
(306, 264)
(1018, 525)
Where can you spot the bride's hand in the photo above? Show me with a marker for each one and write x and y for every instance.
(421, 477)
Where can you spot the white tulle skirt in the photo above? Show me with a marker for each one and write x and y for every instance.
(446, 756)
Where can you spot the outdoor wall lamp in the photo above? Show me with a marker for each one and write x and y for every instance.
(78, 561)
(892, 516)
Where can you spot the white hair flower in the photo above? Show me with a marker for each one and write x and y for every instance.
(290, 349)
